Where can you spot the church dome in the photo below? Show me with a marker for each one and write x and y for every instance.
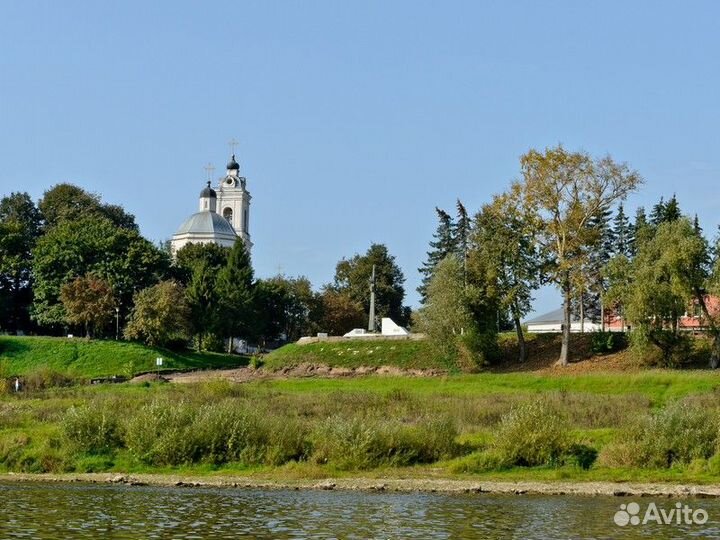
(232, 164)
(208, 192)
(207, 223)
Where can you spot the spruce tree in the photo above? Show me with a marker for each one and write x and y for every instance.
(672, 210)
(623, 234)
(236, 295)
(640, 231)
(461, 233)
(657, 216)
(442, 245)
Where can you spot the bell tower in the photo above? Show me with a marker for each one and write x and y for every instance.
(233, 201)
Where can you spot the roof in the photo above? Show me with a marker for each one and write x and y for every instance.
(206, 222)
(554, 317)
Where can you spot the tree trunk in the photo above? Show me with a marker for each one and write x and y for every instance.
(521, 340)
(565, 348)
(602, 316)
(715, 353)
(582, 313)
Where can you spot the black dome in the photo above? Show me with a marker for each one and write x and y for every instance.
(208, 192)
(232, 164)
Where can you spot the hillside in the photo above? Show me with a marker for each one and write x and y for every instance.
(543, 351)
(97, 358)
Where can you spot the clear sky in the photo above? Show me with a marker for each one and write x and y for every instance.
(355, 119)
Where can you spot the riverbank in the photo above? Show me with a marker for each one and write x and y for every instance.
(397, 485)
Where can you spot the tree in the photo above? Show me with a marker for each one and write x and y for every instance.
(236, 292)
(442, 245)
(20, 226)
(641, 231)
(504, 257)
(462, 231)
(290, 306)
(561, 192)
(160, 316)
(447, 316)
(352, 277)
(88, 301)
(67, 202)
(198, 266)
(92, 245)
(592, 285)
(340, 313)
(669, 273)
(622, 233)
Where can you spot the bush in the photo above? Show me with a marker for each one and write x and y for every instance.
(92, 430)
(364, 442)
(607, 342)
(43, 378)
(675, 435)
(532, 434)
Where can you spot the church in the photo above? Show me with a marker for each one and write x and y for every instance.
(223, 216)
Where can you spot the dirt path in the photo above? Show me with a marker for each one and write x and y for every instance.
(247, 374)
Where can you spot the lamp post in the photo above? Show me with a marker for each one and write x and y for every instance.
(117, 323)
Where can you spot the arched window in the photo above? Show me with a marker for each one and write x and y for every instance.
(227, 214)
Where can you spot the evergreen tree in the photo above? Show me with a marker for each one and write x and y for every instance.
(672, 210)
(623, 233)
(640, 231)
(442, 245)
(461, 234)
(236, 292)
(657, 216)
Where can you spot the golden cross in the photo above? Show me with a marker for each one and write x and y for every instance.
(209, 170)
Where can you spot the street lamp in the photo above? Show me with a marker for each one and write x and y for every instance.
(117, 323)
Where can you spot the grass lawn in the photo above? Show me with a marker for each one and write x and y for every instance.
(83, 358)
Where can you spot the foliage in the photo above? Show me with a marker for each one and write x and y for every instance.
(236, 294)
(67, 202)
(442, 245)
(352, 277)
(608, 342)
(289, 307)
(161, 315)
(504, 260)
(561, 192)
(94, 430)
(92, 245)
(447, 314)
(674, 435)
(340, 313)
(88, 301)
(20, 226)
(532, 434)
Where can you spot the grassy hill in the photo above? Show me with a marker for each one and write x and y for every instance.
(543, 351)
(96, 358)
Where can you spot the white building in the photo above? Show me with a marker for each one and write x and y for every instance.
(553, 322)
(223, 216)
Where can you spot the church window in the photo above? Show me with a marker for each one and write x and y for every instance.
(227, 214)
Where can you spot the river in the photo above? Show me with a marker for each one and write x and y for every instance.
(60, 511)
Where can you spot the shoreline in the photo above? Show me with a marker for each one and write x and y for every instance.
(390, 485)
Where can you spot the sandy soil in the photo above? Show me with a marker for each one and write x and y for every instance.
(399, 485)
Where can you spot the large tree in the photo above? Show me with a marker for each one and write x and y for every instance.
(236, 295)
(503, 256)
(295, 307)
(352, 277)
(198, 267)
(442, 245)
(161, 315)
(67, 202)
(20, 227)
(89, 302)
(561, 192)
(92, 245)
(339, 312)
(670, 272)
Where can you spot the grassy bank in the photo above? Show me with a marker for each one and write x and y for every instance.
(646, 426)
(86, 359)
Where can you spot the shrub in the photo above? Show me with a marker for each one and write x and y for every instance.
(45, 377)
(532, 434)
(363, 442)
(92, 430)
(675, 435)
(607, 342)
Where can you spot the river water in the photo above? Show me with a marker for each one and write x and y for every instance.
(60, 511)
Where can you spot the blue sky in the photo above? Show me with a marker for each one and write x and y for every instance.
(354, 119)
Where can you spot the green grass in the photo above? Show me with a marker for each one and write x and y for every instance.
(83, 358)
(406, 354)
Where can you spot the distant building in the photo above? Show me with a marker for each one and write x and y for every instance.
(223, 215)
(552, 323)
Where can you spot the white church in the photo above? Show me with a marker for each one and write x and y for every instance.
(223, 216)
